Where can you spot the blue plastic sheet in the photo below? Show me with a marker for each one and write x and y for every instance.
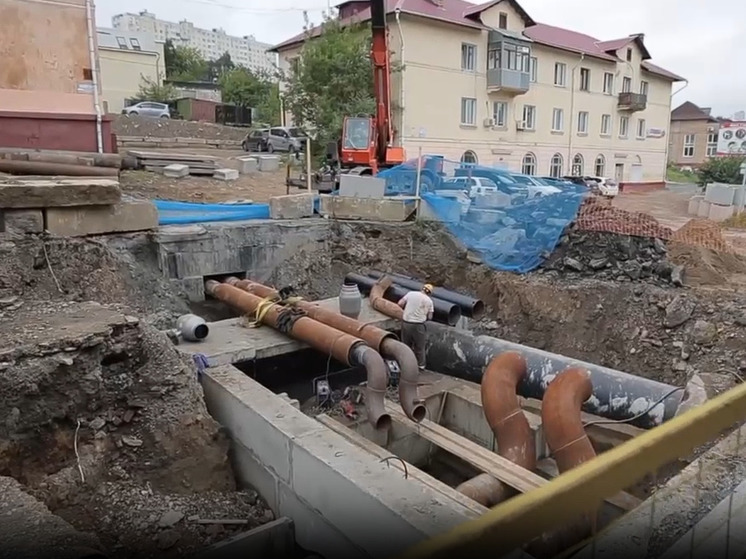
(513, 228)
(181, 213)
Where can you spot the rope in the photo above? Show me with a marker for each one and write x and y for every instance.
(286, 317)
(262, 309)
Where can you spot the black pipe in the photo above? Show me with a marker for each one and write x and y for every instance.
(445, 312)
(471, 307)
(616, 395)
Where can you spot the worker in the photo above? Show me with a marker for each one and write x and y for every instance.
(418, 309)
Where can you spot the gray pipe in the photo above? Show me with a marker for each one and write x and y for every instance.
(192, 327)
(616, 395)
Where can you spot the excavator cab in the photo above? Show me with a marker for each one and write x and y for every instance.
(358, 141)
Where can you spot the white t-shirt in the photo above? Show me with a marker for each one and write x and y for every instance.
(417, 305)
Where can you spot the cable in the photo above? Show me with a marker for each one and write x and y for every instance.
(638, 416)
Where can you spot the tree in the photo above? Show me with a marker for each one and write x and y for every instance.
(151, 90)
(721, 169)
(217, 68)
(242, 87)
(330, 79)
(184, 63)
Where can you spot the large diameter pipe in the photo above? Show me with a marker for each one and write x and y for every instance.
(616, 395)
(444, 311)
(53, 169)
(378, 338)
(515, 439)
(470, 306)
(343, 347)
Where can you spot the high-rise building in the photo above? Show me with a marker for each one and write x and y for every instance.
(211, 43)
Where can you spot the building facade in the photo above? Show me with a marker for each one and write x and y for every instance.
(49, 91)
(486, 84)
(694, 136)
(211, 43)
(127, 59)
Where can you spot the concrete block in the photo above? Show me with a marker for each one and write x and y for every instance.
(22, 221)
(194, 287)
(492, 200)
(176, 171)
(247, 165)
(269, 163)
(720, 212)
(123, 217)
(450, 213)
(291, 206)
(694, 203)
(54, 192)
(361, 186)
(719, 193)
(225, 174)
(704, 208)
(251, 474)
(484, 216)
(385, 209)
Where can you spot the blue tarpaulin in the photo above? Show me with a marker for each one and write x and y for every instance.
(181, 213)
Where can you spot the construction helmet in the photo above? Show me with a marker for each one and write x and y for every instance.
(427, 288)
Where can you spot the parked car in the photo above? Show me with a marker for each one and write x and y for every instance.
(256, 140)
(554, 181)
(536, 187)
(148, 108)
(606, 187)
(475, 186)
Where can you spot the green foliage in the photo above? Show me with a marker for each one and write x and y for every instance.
(721, 169)
(184, 63)
(674, 174)
(151, 90)
(330, 79)
(216, 69)
(241, 87)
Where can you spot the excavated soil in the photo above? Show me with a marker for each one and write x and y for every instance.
(124, 125)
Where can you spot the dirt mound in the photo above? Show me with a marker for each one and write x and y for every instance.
(597, 215)
(702, 233)
(705, 266)
(125, 125)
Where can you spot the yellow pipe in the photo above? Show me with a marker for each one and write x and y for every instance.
(508, 526)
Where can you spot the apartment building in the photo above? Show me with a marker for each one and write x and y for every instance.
(125, 59)
(48, 92)
(211, 43)
(694, 135)
(485, 83)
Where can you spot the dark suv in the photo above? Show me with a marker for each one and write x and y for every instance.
(588, 182)
(256, 140)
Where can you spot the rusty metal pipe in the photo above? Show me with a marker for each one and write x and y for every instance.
(380, 303)
(378, 338)
(53, 169)
(515, 440)
(343, 347)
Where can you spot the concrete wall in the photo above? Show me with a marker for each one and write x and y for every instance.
(343, 501)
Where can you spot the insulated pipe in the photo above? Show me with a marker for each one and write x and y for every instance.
(616, 395)
(378, 338)
(51, 169)
(444, 311)
(515, 440)
(343, 347)
(471, 307)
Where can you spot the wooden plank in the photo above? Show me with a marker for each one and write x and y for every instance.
(525, 517)
(59, 192)
(411, 471)
(483, 459)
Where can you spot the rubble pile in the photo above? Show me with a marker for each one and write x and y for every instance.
(615, 257)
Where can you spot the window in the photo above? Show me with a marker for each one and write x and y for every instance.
(529, 117)
(560, 74)
(468, 57)
(135, 43)
(532, 68)
(500, 113)
(122, 42)
(528, 167)
(558, 118)
(469, 157)
(555, 167)
(503, 21)
(606, 125)
(493, 59)
(577, 165)
(600, 166)
(629, 55)
(689, 145)
(641, 128)
(468, 111)
(712, 144)
(626, 85)
(608, 83)
(585, 79)
(583, 122)
(623, 126)
(644, 88)
(516, 58)
(87, 74)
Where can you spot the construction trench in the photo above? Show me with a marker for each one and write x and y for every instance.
(269, 423)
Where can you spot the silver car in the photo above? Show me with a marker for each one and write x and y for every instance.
(280, 138)
(148, 108)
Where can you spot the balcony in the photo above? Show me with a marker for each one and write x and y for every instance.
(632, 102)
(508, 81)
(508, 62)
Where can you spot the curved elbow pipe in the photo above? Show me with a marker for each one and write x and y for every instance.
(377, 372)
(515, 440)
(380, 303)
(408, 382)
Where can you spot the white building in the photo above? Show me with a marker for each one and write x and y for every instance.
(211, 43)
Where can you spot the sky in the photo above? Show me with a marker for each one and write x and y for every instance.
(697, 39)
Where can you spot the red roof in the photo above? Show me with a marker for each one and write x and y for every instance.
(459, 12)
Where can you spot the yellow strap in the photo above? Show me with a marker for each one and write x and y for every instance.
(261, 311)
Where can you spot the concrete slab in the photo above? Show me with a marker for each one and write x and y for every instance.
(720, 213)
(694, 203)
(56, 192)
(704, 208)
(719, 193)
(22, 221)
(292, 206)
(230, 341)
(269, 163)
(387, 209)
(361, 186)
(176, 171)
(225, 174)
(246, 165)
(123, 217)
